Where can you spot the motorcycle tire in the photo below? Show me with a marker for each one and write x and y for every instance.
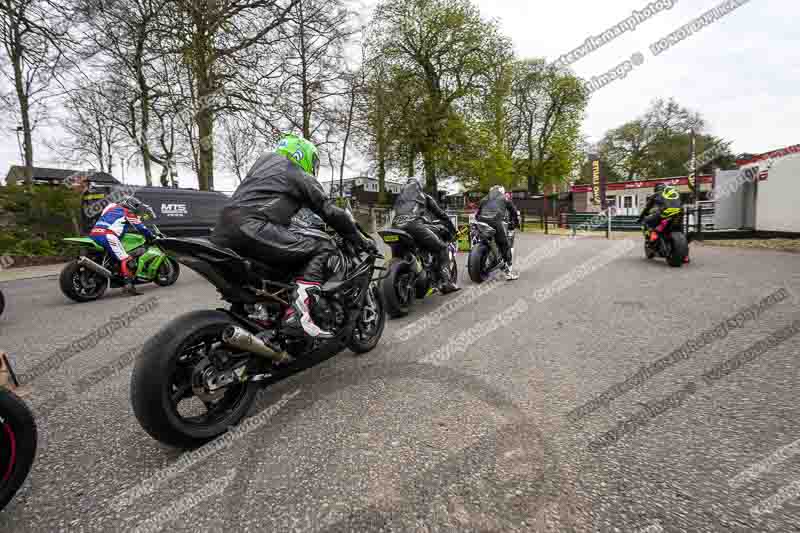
(152, 382)
(396, 299)
(66, 282)
(359, 345)
(168, 278)
(649, 253)
(17, 444)
(453, 269)
(679, 250)
(476, 263)
(2, 303)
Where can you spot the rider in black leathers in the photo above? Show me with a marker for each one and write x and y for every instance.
(493, 209)
(258, 223)
(410, 208)
(664, 198)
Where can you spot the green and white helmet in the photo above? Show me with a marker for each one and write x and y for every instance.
(300, 151)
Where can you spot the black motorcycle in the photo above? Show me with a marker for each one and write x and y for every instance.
(484, 254)
(17, 435)
(668, 241)
(200, 374)
(412, 270)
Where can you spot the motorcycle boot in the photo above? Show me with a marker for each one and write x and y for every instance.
(298, 321)
(130, 280)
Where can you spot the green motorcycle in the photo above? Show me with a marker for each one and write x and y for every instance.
(88, 277)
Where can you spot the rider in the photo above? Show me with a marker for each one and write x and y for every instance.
(663, 204)
(258, 222)
(115, 220)
(410, 209)
(493, 210)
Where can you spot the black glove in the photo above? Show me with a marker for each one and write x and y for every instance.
(369, 246)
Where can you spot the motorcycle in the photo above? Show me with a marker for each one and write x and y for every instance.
(86, 278)
(411, 271)
(668, 241)
(200, 374)
(17, 435)
(484, 254)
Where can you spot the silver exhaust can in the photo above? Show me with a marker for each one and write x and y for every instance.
(94, 267)
(237, 337)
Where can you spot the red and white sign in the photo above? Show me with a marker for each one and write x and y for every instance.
(764, 161)
(644, 184)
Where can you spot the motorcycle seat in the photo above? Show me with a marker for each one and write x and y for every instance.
(391, 236)
(208, 251)
(484, 228)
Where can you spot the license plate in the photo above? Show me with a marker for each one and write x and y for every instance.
(391, 238)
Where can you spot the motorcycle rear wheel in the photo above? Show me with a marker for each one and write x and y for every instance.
(17, 444)
(366, 336)
(476, 263)
(72, 284)
(678, 251)
(398, 291)
(163, 377)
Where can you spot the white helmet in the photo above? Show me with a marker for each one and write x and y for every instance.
(500, 189)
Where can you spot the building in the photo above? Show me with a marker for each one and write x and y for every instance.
(58, 176)
(629, 197)
(762, 193)
(363, 189)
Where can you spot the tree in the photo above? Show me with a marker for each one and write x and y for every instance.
(654, 145)
(312, 63)
(211, 36)
(548, 106)
(36, 42)
(446, 46)
(240, 145)
(91, 135)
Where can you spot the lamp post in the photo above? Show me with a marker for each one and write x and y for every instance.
(19, 142)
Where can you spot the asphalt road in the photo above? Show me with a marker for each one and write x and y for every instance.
(456, 423)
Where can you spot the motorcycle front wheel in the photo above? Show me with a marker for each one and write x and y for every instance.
(167, 384)
(17, 444)
(168, 273)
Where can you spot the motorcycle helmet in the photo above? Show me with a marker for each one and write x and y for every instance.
(660, 188)
(301, 152)
(137, 207)
(498, 189)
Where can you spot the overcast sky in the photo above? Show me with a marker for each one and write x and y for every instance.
(742, 72)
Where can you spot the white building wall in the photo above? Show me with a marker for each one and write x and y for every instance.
(778, 197)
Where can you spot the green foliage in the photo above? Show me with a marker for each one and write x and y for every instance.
(38, 218)
(658, 144)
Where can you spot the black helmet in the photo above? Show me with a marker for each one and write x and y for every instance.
(137, 206)
(660, 188)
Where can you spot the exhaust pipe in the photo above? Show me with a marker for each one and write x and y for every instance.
(94, 267)
(236, 337)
